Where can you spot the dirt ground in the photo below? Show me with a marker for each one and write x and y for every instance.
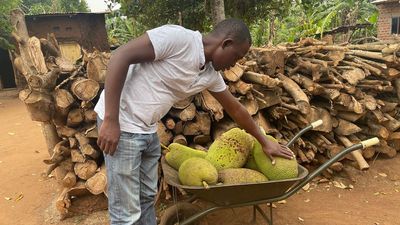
(26, 197)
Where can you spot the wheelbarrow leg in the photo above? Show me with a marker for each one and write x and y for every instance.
(257, 208)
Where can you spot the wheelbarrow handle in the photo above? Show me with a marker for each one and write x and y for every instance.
(301, 132)
(309, 177)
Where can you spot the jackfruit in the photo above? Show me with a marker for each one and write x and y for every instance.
(283, 168)
(178, 153)
(251, 162)
(231, 149)
(240, 176)
(197, 172)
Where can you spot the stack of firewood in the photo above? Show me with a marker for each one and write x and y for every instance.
(61, 95)
(352, 88)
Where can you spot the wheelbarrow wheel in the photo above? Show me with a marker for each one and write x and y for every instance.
(179, 212)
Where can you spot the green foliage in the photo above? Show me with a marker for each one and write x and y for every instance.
(271, 21)
(5, 27)
(54, 6)
(121, 29)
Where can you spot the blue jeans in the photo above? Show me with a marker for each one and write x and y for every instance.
(132, 175)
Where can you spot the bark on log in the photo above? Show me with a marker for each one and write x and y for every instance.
(363, 165)
(39, 105)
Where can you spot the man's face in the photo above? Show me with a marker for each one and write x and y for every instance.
(228, 53)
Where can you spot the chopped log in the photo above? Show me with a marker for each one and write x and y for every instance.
(391, 124)
(250, 104)
(363, 165)
(169, 123)
(350, 116)
(69, 180)
(349, 103)
(86, 169)
(63, 202)
(88, 150)
(233, 74)
(345, 128)
(67, 164)
(97, 184)
(73, 143)
(266, 125)
(75, 118)
(58, 153)
(295, 91)
(64, 131)
(180, 139)
(63, 101)
(353, 76)
(375, 130)
(85, 89)
(201, 125)
(97, 66)
(262, 79)
(178, 129)
(308, 84)
(90, 116)
(386, 149)
(210, 104)
(318, 113)
(164, 134)
(77, 156)
(202, 139)
(394, 140)
(59, 173)
(186, 114)
(372, 55)
(45, 81)
(240, 87)
(270, 98)
(222, 126)
(367, 153)
(39, 105)
(50, 134)
(183, 103)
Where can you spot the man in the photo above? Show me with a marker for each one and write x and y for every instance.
(145, 77)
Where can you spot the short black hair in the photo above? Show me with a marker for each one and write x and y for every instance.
(234, 28)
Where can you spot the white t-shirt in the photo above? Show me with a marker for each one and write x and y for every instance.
(151, 89)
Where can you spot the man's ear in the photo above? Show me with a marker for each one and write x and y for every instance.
(227, 42)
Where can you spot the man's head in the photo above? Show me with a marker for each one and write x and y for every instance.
(232, 40)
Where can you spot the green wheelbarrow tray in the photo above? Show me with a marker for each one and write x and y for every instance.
(234, 194)
(238, 195)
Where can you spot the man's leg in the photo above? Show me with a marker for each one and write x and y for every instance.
(148, 180)
(123, 171)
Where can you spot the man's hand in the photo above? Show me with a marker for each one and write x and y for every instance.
(275, 149)
(108, 136)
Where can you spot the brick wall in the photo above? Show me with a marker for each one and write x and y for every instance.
(386, 12)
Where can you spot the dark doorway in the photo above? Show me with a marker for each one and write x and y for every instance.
(7, 79)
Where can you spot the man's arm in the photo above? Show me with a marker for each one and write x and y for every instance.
(138, 50)
(240, 115)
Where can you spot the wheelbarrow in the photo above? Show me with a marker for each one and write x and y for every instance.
(239, 195)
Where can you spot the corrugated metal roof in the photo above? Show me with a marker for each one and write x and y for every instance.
(65, 14)
(384, 1)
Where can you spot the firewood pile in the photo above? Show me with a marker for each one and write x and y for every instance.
(352, 88)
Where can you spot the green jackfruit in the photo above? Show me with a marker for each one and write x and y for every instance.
(196, 171)
(251, 162)
(179, 153)
(240, 176)
(283, 168)
(231, 149)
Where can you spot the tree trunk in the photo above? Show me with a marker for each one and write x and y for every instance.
(217, 11)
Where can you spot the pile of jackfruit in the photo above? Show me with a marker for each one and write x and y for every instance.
(235, 157)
